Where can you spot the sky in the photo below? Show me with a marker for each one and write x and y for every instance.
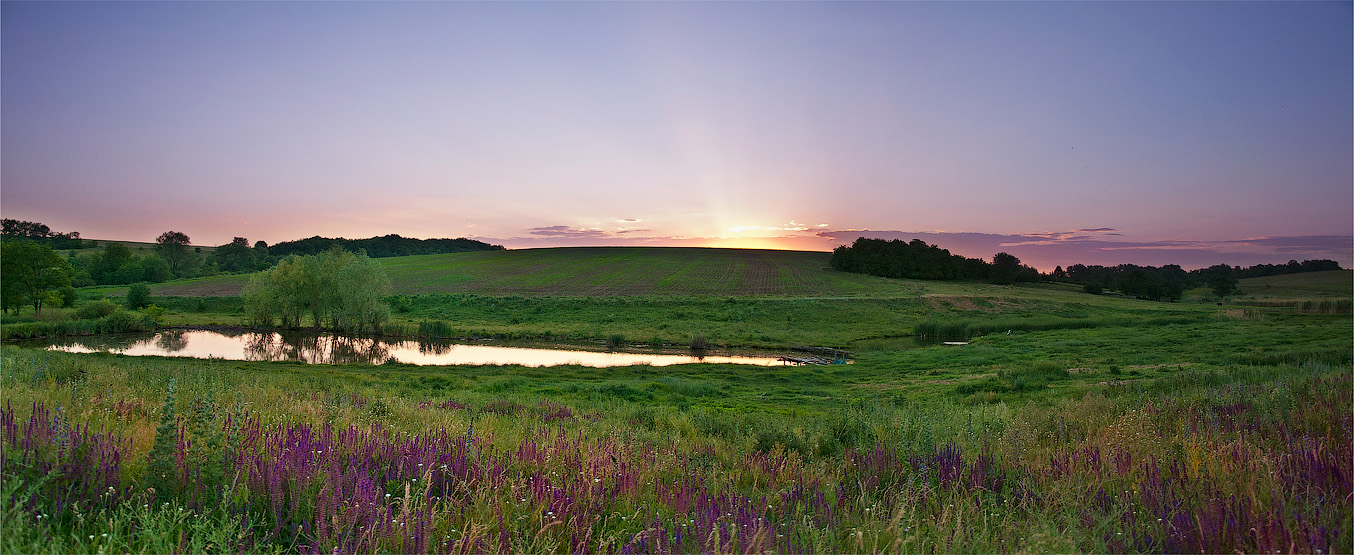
(1189, 133)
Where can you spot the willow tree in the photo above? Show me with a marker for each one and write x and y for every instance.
(336, 288)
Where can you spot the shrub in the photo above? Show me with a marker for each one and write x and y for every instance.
(138, 296)
(155, 314)
(699, 343)
(96, 309)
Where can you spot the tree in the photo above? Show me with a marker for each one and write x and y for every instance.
(1005, 268)
(235, 256)
(173, 247)
(154, 269)
(138, 296)
(1221, 279)
(31, 273)
(335, 287)
(107, 265)
(34, 231)
(362, 284)
(18, 229)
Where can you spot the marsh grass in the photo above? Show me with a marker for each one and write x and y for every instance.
(120, 321)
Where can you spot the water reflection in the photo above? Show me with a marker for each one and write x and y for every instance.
(171, 341)
(312, 348)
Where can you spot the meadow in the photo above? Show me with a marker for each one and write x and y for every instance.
(1068, 422)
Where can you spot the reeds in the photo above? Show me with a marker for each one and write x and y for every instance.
(121, 321)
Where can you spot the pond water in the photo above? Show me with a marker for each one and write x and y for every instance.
(323, 348)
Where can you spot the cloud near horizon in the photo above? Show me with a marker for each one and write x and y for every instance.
(1093, 246)
(1044, 250)
(566, 231)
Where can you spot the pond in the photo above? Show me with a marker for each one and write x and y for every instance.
(325, 348)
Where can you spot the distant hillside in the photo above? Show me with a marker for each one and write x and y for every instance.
(605, 271)
(616, 271)
(382, 247)
(1332, 283)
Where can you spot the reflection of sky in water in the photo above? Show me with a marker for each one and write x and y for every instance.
(408, 351)
(273, 346)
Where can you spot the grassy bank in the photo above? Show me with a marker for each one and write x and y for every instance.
(1219, 457)
(1068, 422)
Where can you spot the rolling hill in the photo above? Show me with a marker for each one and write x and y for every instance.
(601, 271)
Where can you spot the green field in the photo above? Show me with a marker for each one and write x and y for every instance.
(1068, 422)
(1313, 285)
(602, 271)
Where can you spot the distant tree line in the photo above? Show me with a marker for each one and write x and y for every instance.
(173, 256)
(1169, 282)
(918, 260)
(382, 247)
(1292, 267)
(39, 233)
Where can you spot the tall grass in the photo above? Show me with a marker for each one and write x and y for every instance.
(971, 328)
(1308, 306)
(1245, 458)
(117, 322)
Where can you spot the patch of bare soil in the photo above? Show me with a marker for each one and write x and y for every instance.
(943, 302)
(199, 290)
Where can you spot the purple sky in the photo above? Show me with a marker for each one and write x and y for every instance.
(1145, 132)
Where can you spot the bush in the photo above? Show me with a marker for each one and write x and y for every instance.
(699, 343)
(123, 321)
(96, 309)
(138, 296)
(155, 314)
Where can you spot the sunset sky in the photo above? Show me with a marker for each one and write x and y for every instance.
(1190, 133)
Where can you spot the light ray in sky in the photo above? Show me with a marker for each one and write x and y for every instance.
(1199, 124)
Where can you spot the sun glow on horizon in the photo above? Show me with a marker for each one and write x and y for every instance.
(786, 243)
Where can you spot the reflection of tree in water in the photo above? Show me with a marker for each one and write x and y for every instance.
(434, 347)
(357, 350)
(233, 332)
(100, 343)
(263, 346)
(315, 349)
(307, 348)
(171, 341)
